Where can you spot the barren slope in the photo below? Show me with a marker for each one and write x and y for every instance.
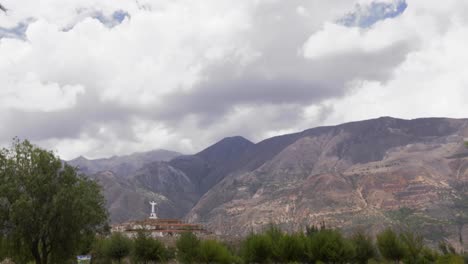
(372, 173)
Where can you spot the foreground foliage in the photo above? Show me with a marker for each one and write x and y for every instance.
(48, 213)
(317, 245)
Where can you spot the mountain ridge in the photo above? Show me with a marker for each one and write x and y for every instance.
(356, 173)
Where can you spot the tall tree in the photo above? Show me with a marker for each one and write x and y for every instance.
(212, 251)
(147, 249)
(414, 245)
(118, 247)
(257, 248)
(363, 247)
(329, 246)
(188, 248)
(45, 206)
(390, 245)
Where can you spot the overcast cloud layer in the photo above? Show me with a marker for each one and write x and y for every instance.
(104, 77)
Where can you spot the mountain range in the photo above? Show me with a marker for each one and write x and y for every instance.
(370, 174)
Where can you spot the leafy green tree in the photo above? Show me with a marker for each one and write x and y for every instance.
(390, 245)
(147, 249)
(99, 251)
(364, 248)
(211, 251)
(292, 248)
(45, 206)
(188, 248)
(257, 248)
(118, 247)
(329, 246)
(413, 244)
(466, 144)
(275, 235)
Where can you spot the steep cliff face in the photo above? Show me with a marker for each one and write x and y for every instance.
(372, 173)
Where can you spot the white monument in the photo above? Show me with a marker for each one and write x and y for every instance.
(153, 214)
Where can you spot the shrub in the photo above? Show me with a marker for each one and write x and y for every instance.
(257, 249)
(390, 245)
(98, 251)
(147, 249)
(329, 246)
(450, 259)
(292, 248)
(364, 248)
(188, 246)
(118, 247)
(211, 251)
(413, 245)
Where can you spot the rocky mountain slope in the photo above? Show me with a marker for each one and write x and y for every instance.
(130, 183)
(371, 173)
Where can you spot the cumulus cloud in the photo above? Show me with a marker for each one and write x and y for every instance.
(99, 77)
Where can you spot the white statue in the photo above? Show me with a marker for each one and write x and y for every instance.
(153, 214)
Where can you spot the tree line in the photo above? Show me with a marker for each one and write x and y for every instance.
(315, 245)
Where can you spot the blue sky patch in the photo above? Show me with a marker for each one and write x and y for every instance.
(365, 16)
(17, 32)
(115, 19)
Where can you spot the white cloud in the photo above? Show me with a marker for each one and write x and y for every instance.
(30, 94)
(348, 40)
(432, 81)
(115, 81)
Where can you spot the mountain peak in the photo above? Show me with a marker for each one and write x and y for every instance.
(80, 158)
(234, 140)
(234, 144)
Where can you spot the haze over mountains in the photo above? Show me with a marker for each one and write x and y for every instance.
(371, 173)
(122, 165)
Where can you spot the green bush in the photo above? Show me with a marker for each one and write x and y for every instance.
(274, 235)
(98, 251)
(211, 251)
(427, 256)
(257, 248)
(329, 246)
(188, 247)
(390, 245)
(118, 247)
(363, 245)
(292, 248)
(413, 245)
(147, 249)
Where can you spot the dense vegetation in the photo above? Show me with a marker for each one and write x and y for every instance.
(315, 245)
(48, 213)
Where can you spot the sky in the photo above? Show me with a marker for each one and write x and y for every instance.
(103, 77)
